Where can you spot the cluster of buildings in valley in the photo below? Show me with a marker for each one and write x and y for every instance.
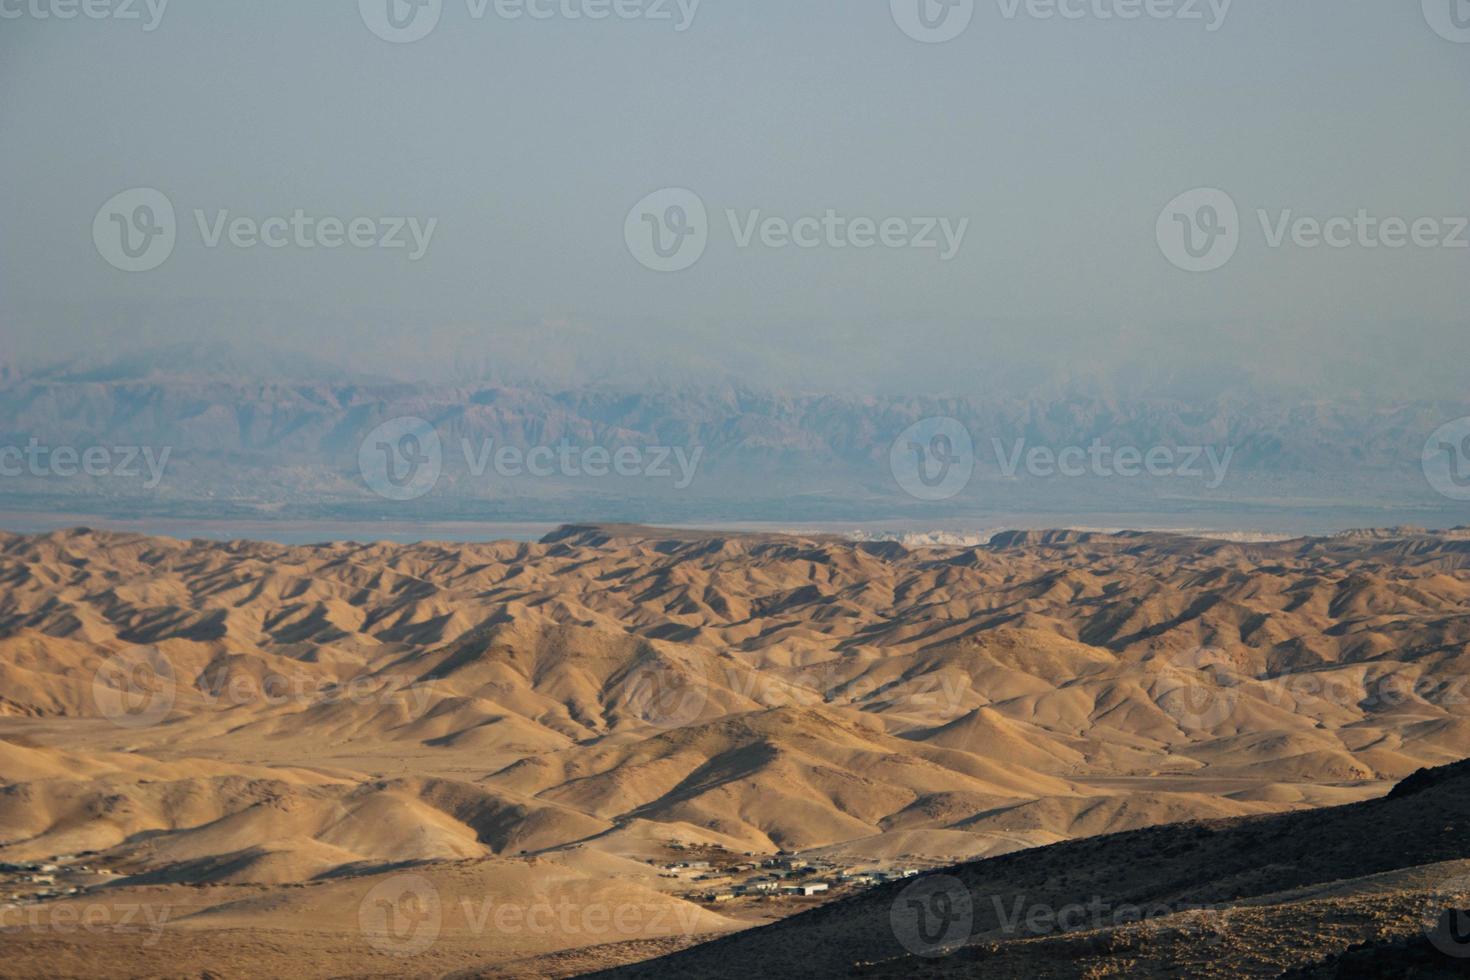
(723, 876)
(30, 882)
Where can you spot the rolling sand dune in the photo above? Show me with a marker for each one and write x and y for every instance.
(255, 736)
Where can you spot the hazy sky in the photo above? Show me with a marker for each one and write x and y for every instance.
(528, 141)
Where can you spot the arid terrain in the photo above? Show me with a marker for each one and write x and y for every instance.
(1375, 889)
(550, 758)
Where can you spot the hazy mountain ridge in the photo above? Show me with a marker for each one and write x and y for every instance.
(267, 442)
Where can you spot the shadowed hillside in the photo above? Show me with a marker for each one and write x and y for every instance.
(1242, 897)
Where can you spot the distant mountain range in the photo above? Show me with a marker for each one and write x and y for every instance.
(251, 431)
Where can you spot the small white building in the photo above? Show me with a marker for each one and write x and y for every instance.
(806, 888)
(757, 888)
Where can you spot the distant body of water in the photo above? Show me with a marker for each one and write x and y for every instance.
(1262, 523)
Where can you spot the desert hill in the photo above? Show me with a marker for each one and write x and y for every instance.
(209, 719)
(1322, 893)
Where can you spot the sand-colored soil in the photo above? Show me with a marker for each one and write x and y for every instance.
(372, 758)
